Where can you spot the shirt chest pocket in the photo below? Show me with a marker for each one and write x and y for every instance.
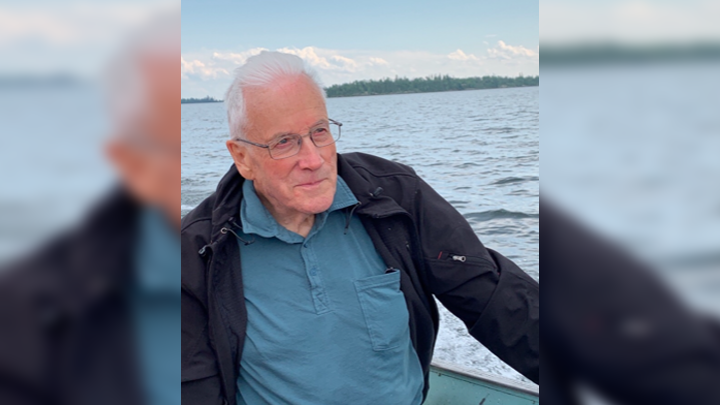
(383, 306)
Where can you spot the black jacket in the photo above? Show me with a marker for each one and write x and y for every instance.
(66, 335)
(413, 229)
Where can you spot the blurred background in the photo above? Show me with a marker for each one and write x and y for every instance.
(630, 130)
(631, 152)
(90, 202)
(55, 112)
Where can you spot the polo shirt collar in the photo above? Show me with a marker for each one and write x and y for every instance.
(256, 219)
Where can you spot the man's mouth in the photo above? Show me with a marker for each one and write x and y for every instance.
(311, 184)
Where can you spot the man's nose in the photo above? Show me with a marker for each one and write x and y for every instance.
(309, 155)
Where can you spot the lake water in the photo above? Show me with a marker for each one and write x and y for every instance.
(479, 149)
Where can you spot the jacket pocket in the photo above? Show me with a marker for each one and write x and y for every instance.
(383, 306)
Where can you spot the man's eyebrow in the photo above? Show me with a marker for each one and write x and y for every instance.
(279, 134)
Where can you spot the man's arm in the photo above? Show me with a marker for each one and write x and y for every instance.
(201, 382)
(497, 301)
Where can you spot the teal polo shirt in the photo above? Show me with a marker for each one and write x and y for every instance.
(327, 322)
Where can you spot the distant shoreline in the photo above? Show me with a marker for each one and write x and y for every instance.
(429, 84)
(491, 82)
(191, 100)
(437, 91)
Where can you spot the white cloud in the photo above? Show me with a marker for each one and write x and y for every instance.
(326, 59)
(201, 70)
(210, 73)
(309, 55)
(237, 58)
(219, 65)
(505, 51)
(344, 63)
(460, 55)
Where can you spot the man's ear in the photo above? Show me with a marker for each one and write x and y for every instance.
(242, 160)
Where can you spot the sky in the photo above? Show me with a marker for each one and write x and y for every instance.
(347, 41)
(74, 37)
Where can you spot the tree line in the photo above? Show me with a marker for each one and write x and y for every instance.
(427, 84)
(401, 85)
(191, 100)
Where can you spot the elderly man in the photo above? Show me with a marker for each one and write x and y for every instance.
(308, 277)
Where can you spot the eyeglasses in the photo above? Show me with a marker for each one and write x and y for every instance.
(288, 145)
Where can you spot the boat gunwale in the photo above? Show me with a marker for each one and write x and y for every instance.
(524, 387)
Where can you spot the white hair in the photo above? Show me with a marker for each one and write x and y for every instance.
(260, 71)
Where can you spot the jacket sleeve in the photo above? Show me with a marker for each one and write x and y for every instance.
(201, 383)
(200, 378)
(498, 302)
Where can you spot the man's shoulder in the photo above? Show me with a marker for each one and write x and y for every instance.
(367, 173)
(195, 231)
(376, 166)
(200, 216)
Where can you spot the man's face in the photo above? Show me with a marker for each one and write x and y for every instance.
(301, 184)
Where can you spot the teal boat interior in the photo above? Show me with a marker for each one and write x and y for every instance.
(451, 384)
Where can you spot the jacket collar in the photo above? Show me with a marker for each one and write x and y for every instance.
(374, 200)
(367, 190)
(256, 219)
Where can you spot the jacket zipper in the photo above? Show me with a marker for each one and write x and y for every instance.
(461, 258)
(207, 250)
(443, 255)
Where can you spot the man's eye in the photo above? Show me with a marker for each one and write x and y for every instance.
(284, 143)
(321, 133)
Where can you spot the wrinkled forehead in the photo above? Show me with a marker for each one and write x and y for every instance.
(290, 104)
